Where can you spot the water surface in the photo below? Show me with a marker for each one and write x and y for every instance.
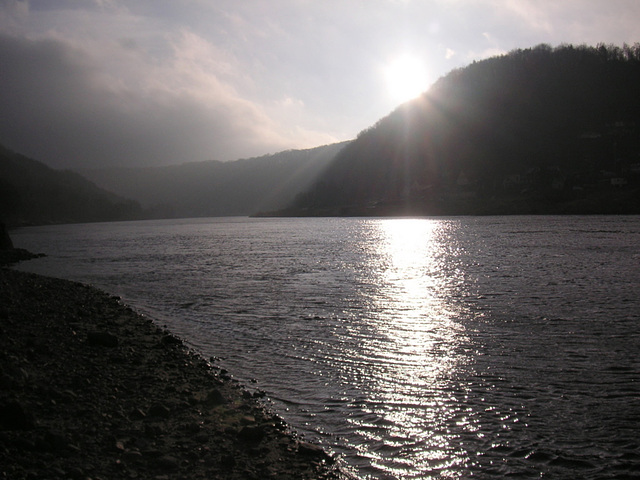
(416, 348)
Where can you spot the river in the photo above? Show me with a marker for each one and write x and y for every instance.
(454, 347)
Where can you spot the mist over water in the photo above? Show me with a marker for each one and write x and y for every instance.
(437, 348)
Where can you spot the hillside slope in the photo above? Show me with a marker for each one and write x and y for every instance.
(32, 193)
(542, 130)
(213, 188)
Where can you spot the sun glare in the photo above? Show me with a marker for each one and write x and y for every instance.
(406, 78)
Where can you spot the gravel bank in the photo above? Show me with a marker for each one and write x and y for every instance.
(89, 389)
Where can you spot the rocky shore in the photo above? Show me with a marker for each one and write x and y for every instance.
(89, 389)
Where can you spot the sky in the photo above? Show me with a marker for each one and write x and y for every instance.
(90, 83)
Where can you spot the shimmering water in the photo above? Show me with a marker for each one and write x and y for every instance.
(416, 348)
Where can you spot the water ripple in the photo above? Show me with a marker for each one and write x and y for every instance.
(416, 348)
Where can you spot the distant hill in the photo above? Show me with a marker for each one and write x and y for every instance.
(213, 188)
(32, 193)
(541, 130)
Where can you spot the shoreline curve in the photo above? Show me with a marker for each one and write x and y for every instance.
(90, 389)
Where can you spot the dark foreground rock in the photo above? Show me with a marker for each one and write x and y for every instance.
(15, 255)
(5, 239)
(91, 390)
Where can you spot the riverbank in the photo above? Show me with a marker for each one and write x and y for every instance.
(89, 389)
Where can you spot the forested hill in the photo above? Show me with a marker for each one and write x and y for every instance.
(213, 188)
(541, 130)
(32, 193)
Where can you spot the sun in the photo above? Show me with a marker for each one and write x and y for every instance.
(406, 78)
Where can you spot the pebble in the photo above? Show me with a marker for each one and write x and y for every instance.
(102, 339)
(14, 417)
(90, 389)
(252, 433)
(159, 410)
(167, 462)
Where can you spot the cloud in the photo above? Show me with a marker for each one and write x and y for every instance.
(13, 9)
(60, 104)
(583, 21)
(148, 81)
(127, 91)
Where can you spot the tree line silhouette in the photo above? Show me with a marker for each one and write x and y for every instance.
(32, 193)
(539, 130)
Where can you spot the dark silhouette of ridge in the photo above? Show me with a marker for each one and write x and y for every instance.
(213, 188)
(541, 130)
(32, 193)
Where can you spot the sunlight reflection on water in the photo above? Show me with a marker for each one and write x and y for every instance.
(425, 348)
(420, 354)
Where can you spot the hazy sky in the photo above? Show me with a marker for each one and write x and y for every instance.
(142, 82)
